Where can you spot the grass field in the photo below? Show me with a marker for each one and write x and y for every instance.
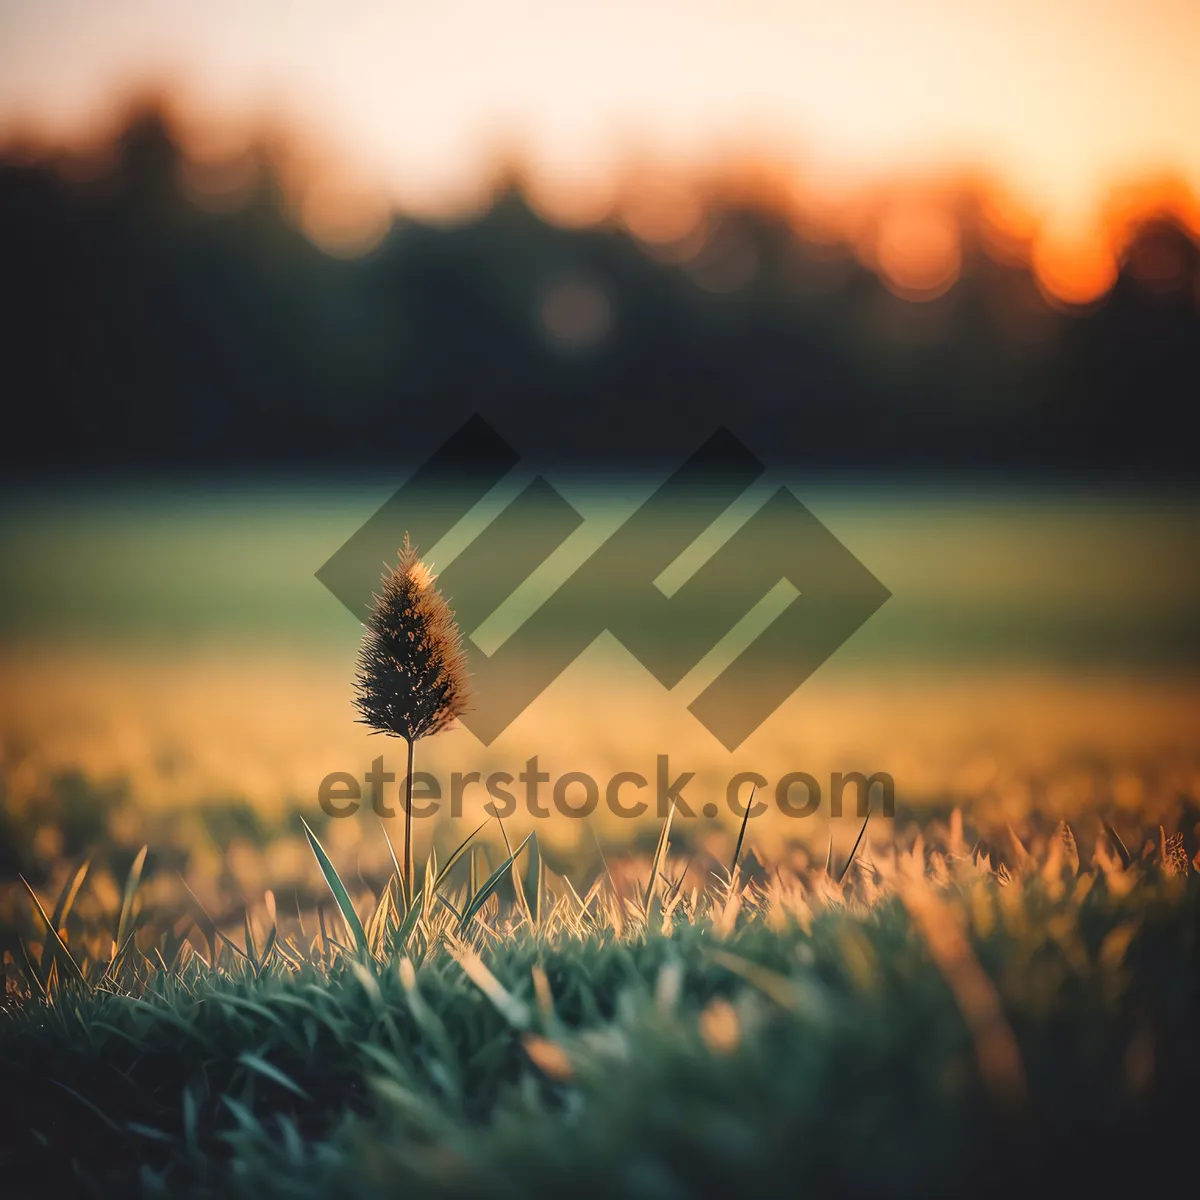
(995, 991)
(934, 1019)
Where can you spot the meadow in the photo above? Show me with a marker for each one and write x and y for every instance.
(212, 987)
(935, 1018)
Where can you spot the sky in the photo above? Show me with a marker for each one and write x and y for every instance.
(1059, 100)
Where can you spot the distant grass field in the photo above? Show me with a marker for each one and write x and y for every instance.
(934, 1017)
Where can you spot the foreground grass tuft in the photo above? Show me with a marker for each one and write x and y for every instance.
(926, 1020)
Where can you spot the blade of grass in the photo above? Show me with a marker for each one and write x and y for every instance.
(1117, 844)
(340, 896)
(251, 947)
(391, 850)
(324, 935)
(531, 883)
(395, 864)
(289, 954)
(674, 889)
(428, 883)
(60, 946)
(575, 896)
(66, 899)
(441, 876)
(235, 948)
(490, 885)
(119, 953)
(737, 850)
(612, 883)
(842, 873)
(377, 925)
(795, 995)
(62, 908)
(273, 1073)
(132, 881)
(504, 834)
(207, 925)
(404, 932)
(660, 853)
(514, 1010)
(32, 971)
(269, 945)
(89, 1105)
(1023, 861)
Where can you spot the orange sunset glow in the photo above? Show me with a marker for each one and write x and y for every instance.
(399, 106)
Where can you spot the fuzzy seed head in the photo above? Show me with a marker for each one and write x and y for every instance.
(412, 673)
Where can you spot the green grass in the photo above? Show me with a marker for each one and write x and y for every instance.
(926, 1020)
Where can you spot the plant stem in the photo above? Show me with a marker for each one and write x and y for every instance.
(408, 846)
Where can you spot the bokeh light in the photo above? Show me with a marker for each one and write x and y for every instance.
(917, 250)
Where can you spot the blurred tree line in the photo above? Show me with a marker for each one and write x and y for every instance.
(139, 330)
